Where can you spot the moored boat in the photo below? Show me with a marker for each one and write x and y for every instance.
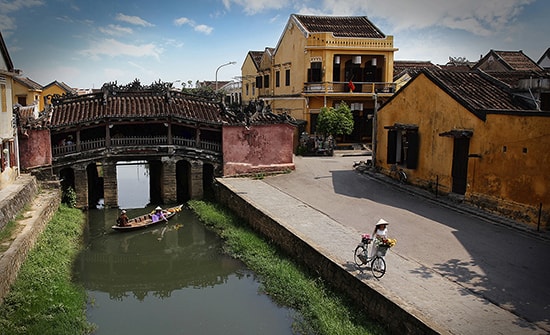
(146, 220)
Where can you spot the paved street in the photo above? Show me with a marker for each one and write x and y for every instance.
(444, 260)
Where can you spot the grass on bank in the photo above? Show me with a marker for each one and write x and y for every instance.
(44, 300)
(323, 311)
(8, 232)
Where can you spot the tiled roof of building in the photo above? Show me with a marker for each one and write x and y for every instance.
(256, 57)
(512, 78)
(476, 91)
(134, 105)
(31, 84)
(145, 105)
(545, 57)
(340, 26)
(410, 66)
(512, 60)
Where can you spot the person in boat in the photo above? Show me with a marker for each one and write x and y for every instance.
(158, 215)
(122, 220)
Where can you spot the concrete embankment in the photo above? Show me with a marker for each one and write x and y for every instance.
(37, 204)
(310, 236)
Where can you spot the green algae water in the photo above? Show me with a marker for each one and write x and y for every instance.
(172, 278)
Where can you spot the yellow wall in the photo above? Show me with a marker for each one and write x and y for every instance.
(249, 73)
(295, 51)
(508, 181)
(52, 90)
(20, 90)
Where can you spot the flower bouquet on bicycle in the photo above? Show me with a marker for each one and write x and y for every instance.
(361, 257)
(383, 244)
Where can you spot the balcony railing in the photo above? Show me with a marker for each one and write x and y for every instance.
(344, 87)
(100, 143)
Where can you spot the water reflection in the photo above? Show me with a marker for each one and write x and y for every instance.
(171, 278)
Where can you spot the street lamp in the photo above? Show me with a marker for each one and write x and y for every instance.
(219, 67)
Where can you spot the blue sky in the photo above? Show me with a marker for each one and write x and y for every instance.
(88, 43)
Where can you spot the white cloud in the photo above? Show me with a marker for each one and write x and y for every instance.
(135, 20)
(252, 7)
(477, 17)
(201, 28)
(7, 22)
(114, 48)
(183, 20)
(12, 6)
(115, 29)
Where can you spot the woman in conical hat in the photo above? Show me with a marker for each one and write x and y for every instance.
(380, 232)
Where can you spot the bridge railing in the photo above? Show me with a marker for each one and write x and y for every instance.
(100, 143)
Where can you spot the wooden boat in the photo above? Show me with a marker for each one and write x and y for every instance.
(146, 220)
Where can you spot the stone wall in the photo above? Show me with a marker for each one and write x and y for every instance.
(17, 195)
(377, 306)
(42, 207)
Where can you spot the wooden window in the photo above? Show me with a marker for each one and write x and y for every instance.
(314, 73)
(266, 81)
(259, 82)
(277, 78)
(403, 146)
(287, 77)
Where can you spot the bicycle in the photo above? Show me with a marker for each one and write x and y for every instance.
(377, 263)
(398, 173)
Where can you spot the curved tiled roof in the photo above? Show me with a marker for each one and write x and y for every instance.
(150, 105)
(138, 105)
(340, 26)
(29, 83)
(479, 93)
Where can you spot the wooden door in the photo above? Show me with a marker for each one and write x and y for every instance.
(460, 164)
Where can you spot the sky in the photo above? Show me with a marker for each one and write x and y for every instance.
(88, 43)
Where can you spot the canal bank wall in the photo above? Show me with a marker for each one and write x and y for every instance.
(42, 201)
(344, 277)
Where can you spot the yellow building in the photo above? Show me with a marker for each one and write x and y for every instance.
(471, 135)
(56, 88)
(320, 61)
(249, 71)
(27, 92)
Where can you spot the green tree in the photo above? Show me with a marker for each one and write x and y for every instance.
(335, 121)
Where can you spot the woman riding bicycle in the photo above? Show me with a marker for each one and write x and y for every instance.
(380, 233)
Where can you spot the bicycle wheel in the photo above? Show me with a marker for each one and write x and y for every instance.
(402, 177)
(378, 267)
(360, 255)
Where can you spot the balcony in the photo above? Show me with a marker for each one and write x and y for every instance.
(133, 141)
(339, 87)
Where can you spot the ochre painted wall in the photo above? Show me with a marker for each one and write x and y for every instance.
(508, 173)
(257, 149)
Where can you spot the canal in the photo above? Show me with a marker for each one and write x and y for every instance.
(170, 279)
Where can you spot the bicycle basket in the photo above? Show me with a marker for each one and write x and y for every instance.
(382, 250)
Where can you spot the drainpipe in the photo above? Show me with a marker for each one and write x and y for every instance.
(374, 125)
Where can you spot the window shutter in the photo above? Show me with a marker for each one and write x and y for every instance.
(412, 151)
(392, 146)
(259, 82)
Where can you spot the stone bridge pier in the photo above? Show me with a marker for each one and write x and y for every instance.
(171, 179)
